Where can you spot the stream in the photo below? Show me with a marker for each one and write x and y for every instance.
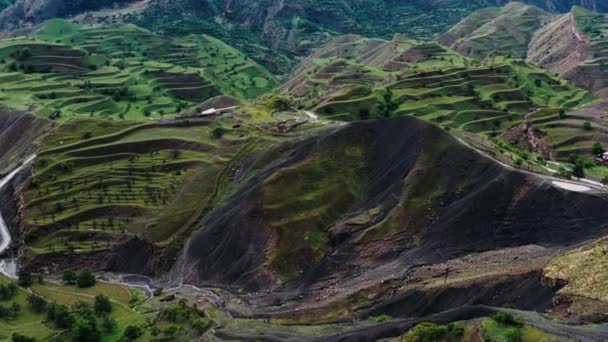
(8, 266)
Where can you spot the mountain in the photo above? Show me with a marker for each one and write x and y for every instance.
(574, 45)
(62, 70)
(161, 184)
(295, 28)
(571, 45)
(27, 12)
(273, 32)
(504, 30)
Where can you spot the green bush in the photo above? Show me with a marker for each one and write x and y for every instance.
(201, 325)
(430, 332)
(69, 277)
(102, 305)
(132, 332)
(587, 126)
(382, 318)
(21, 338)
(506, 318)
(85, 278)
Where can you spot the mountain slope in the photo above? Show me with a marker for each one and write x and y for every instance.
(572, 45)
(273, 31)
(507, 30)
(61, 70)
(384, 225)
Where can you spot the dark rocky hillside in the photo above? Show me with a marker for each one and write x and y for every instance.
(385, 217)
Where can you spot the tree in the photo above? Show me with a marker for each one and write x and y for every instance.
(25, 278)
(16, 337)
(108, 324)
(85, 278)
(578, 170)
(102, 305)
(132, 332)
(85, 330)
(60, 315)
(587, 126)
(218, 132)
(598, 149)
(36, 302)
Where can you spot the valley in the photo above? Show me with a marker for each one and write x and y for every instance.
(316, 170)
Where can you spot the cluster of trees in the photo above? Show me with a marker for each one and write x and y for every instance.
(10, 312)
(177, 315)
(8, 292)
(85, 322)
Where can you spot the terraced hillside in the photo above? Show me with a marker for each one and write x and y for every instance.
(356, 78)
(62, 70)
(565, 137)
(572, 45)
(101, 186)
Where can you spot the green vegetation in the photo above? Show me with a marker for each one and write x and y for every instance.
(66, 70)
(71, 314)
(321, 188)
(153, 178)
(103, 312)
(273, 38)
(430, 332)
(432, 82)
(584, 270)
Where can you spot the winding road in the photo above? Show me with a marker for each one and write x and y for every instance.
(5, 236)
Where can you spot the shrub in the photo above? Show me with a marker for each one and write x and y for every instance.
(506, 318)
(519, 162)
(102, 305)
(382, 318)
(430, 332)
(218, 132)
(60, 315)
(598, 149)
(85, 278)
(69, 277)
(108, 324)
(36, 302)
(21, 338)
(25, 278)
(201, 325)
(578, 170)
(132, 332)
(587, 126)
(85, 330)
(7, 291)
